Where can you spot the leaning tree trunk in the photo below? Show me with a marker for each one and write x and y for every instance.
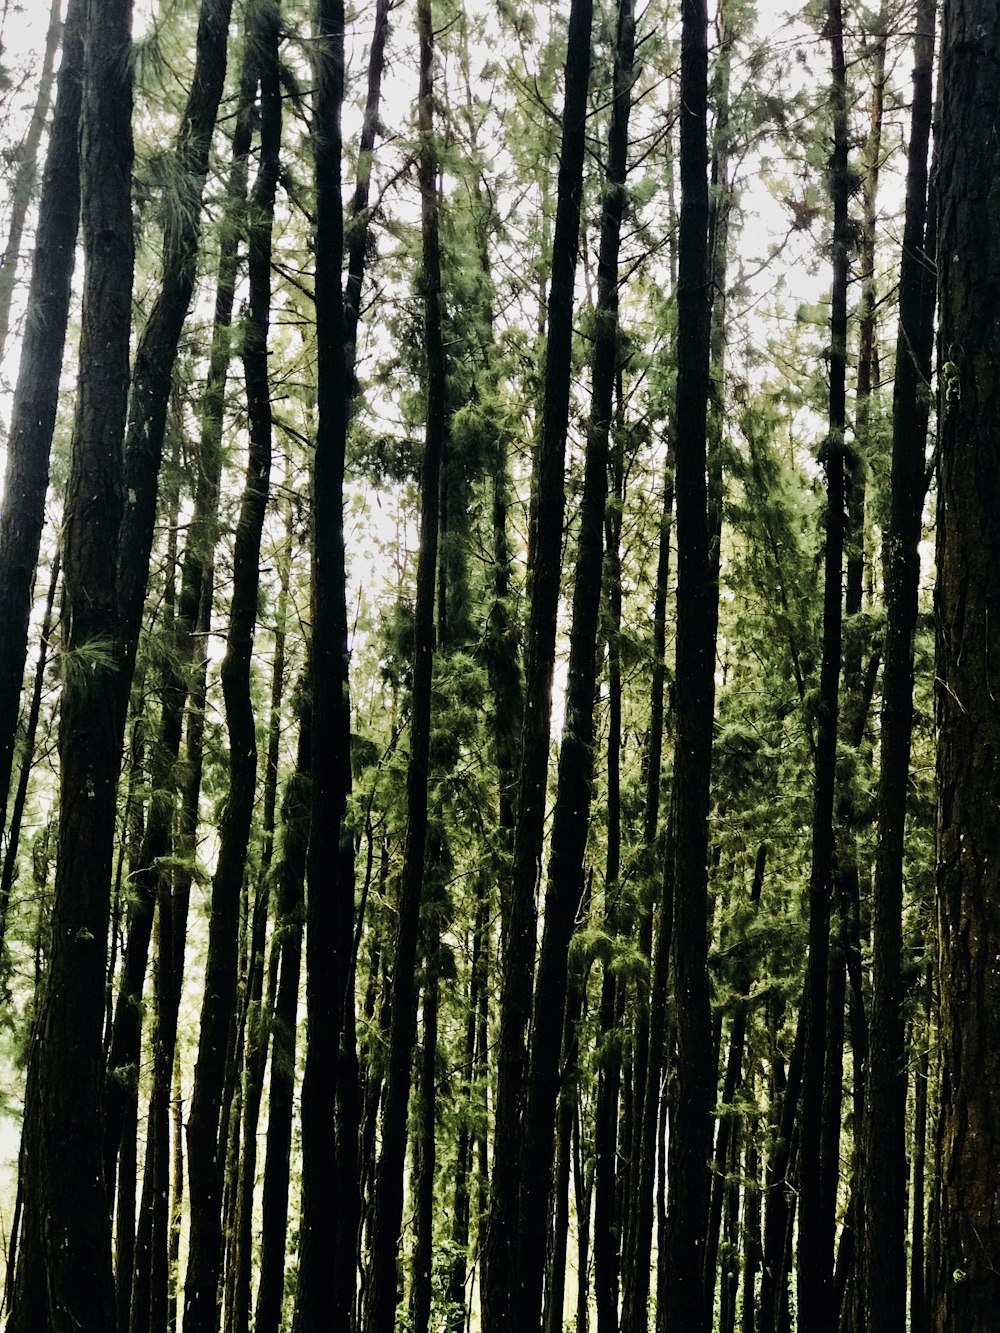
(882, 1174)
(381, 1290)
(697, 596)
(816, 1208)
(205, 1149)
(968, 650)
(25, 167)
(544, 558)
(36, 395)
(64, 1263)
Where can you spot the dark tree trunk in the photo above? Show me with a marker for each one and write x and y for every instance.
(544, 556)
(206, 1147)
(882, 1174)
(697, 597)
(425, 1153)
(281, 1087)
(30, 733)
(381, 1291)
(64, 1262)
(576, 755)
(968, 619)
(731, 1083)
(36, 395)
(260, 996)
(156, 353)
(330, 1135)
(25, 164)
(918, 1300)
(816, 1206)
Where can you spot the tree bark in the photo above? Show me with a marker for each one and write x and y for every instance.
(571, 816)
(968, 648)
(205, 1148)
(688, 1181)
(64, 1264)
(816, 1207)
(381, 1291)
(882, 1174)
(36, 395)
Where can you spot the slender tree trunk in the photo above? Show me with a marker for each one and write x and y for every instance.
(697, 597)
(381, 1291)
(500, 1279)
(968, 621)
(330, 1137)
(152, 372)
(65, 1275)
(816, 1206)
(576, 755)
(731, 1083)
(24, 777)
(26, 166)
(33, 415)
(287, 942)
(205, 1147)
(882, 1177)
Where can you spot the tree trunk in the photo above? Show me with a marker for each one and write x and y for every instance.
(64, 1263)
(576, 755)
(968, 619)
(816, 1206)
(25, 168)
(287, 942)
(205, 1148)
(381, 1291)
(8, 874)
(33, 415)
(500, 1280)
(882, 1176)
(688, 1181)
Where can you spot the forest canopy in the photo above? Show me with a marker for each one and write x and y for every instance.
(498, 614)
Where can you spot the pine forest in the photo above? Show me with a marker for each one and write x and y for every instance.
(499, 666)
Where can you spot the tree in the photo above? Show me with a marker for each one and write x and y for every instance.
(965, 1281)
(64, 1259)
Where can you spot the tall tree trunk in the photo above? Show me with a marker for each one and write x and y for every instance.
(205, 1147)
(33, 415)
(381, 1291)
(287, 942)
(730, 1086)
(500, 1281)
(30, 733)
(968, 610)
(330, 1138)
(816, 1207)
(152, 372)
(576, 755)
(882, 1171)
(25, 168)
(697, 597)
(64, 1266)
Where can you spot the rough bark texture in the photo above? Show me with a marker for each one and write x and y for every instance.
(65, 1279)
(968, 651)
(882, 1174)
